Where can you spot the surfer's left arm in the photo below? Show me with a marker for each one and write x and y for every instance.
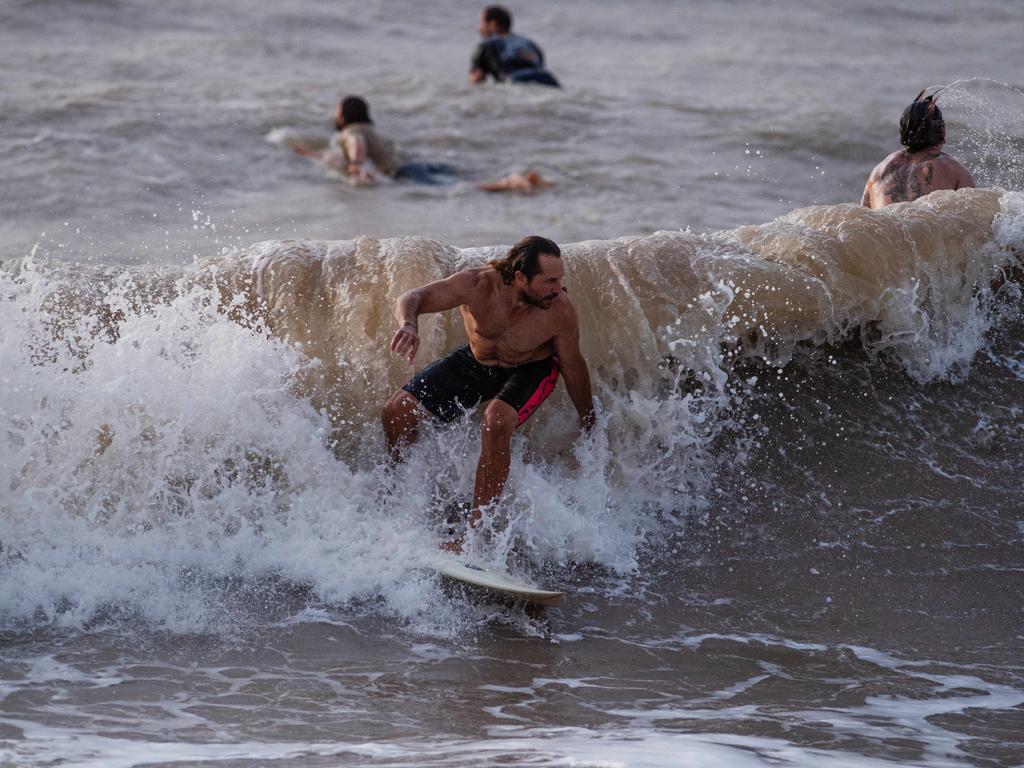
(574, 370)
(869, 198)
(865, 199)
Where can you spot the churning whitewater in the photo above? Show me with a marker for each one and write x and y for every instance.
(794, 536)
(170, 431)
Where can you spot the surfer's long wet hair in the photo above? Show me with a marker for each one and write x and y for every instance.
(921, 124)
(524, 257)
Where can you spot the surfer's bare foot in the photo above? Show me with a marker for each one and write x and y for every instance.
(537, 181)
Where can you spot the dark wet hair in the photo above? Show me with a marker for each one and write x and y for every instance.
(355, 110)
(524, 257)
(499, 15)
(921, 125)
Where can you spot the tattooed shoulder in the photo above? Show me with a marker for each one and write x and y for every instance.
(896, 181)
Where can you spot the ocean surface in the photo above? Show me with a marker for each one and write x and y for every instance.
(796, 535)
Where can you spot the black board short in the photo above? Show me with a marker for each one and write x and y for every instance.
(457, 382)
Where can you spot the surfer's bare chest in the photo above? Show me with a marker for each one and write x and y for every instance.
(509, 335)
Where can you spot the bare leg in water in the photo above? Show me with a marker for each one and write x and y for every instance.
(523, 183)
(499, 422)
(401, 418)
(526, 183)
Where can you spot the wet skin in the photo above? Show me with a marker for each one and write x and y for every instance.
(508, 325)
(904, 176)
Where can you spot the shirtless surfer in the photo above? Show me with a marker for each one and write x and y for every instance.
(922, 167)
(523, 332)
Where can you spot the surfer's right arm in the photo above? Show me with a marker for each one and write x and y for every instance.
(434, 297)
(358, 160)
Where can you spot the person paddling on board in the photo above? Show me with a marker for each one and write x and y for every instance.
(505, 56)
(922, 167)
(357, 149)
(523, 332)
(366, 157)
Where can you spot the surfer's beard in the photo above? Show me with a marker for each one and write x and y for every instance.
(544, 303)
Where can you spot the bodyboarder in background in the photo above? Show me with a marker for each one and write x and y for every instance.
(523, 332)
(922, 167)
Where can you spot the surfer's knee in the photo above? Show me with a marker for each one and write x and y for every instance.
(399, 417)
(499, 420)
(400, 404)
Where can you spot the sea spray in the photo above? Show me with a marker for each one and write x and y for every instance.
(167, 431)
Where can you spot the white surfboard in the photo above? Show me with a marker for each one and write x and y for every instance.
(455, 567)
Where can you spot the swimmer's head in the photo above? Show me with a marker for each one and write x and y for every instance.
(351, 110)
(921, 125)
(495, 20)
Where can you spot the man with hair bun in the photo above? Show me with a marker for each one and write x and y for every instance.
(922, 167)
(523, 332)
(505, 56)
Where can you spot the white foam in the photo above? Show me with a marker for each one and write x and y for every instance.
(879, 718)
(613, 747)
(147, 470)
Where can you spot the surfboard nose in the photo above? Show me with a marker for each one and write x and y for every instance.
(478, 575)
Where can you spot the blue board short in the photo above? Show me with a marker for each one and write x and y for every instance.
(427, 173)
(540, 77)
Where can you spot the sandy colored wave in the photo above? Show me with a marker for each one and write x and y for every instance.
(908, 276)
